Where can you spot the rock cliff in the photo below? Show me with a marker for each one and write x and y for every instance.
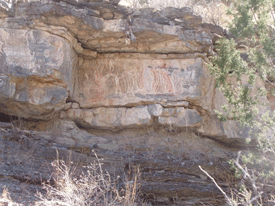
(135, 79)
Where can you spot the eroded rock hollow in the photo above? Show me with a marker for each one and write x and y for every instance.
(135, 79)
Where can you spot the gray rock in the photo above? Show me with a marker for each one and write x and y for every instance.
(75, 106)
(36, 73)
(136, 116)
(114, 2)
(185, 118)
(168, 112)
(175, 104)
(155, 109)
(109, 118)
(183, 16)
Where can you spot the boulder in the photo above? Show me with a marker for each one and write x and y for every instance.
(136, 116)
(36, 73)
(109, 118)
(155, 109)
(181, 117)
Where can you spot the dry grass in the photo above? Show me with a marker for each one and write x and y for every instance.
(5, 199)
(92, 187)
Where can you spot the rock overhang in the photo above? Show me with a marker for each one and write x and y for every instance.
(85, 23)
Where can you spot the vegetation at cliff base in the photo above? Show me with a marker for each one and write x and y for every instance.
(245, 72)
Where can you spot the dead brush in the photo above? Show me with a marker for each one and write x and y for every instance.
(5, 199)
(93, 187)
(129, 194)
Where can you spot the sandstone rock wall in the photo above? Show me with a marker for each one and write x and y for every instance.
(82, 57)
(128, 90)
(122, 81)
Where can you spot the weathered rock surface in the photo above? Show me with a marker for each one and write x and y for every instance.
(115, 80)
(36, 73)
(126, 58)
(108, 118)
(160, 57)
(155, 109)
(168, 162)
(134, 117)
(181, 117)
(101, 27)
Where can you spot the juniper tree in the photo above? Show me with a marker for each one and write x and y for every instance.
(245, 72)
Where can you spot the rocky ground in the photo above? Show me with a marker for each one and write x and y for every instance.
(23, 165)
(168, 162)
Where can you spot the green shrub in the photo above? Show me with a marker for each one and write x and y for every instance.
(245, 72)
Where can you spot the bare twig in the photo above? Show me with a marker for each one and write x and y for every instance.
(246, 174)
(225, 195)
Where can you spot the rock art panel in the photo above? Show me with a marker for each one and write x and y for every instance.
(132, 82)
(36, 73)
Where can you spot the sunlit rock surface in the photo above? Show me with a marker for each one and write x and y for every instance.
(36, 73)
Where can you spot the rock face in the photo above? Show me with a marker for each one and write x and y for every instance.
(111, 118)
(36, 73)
(109, 69)
(98, 55)
(114, 81)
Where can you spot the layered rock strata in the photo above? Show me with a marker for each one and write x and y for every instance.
(167, 161)
(101, 55)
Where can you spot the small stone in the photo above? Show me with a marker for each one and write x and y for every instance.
(75, 106)
(68, 106)
(63, 115)
(155, 109)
